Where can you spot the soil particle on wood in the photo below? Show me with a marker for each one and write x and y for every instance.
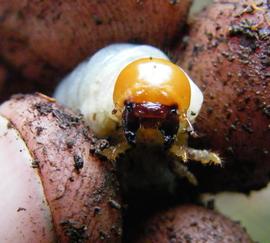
(78, 162)
(233, 75)
(75, 181)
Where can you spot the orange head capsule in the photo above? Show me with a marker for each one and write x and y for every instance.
(152, 93)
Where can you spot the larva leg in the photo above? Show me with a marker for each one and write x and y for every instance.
(112, 152)
(203, 156)
(112, 147)
(179, 147)
(180, 152)
(182, 171)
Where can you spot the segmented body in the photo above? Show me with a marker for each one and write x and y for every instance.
(134, 92)
(90, 87)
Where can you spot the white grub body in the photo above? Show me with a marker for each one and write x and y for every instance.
(89, 88)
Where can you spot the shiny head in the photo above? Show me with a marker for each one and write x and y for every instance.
(152, 93)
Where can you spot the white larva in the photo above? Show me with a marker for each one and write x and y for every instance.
(157, 96)
(89, 88)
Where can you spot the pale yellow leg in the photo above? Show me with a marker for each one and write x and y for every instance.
(204, 156)
(180, 152)
(112, 152)
(182, 171)
(183, 152)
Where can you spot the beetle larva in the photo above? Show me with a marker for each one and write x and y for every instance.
(126, 89)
